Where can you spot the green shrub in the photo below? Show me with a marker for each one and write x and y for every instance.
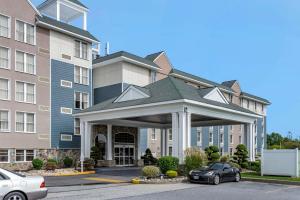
(148, 158)
(168, 163)
(224, 159)
(151, 171)
(51, 160)
(212, 153)
(68, 162)
(241, 155)
(254, 166)
(235, 165)
(37, 164)
(193, 159)
(171, 174)
(88, 164)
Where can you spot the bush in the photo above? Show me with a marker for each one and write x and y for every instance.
(151, 171)
(241, 155)
(50, 160)
(212, 153)
(224, 159)
(193, 159)
(254, 166)
(89, 164)
(171, 174)
(148, 158)
(235, 165)
(168, 163)
(68, 162)
(37, 164)
(51, 164)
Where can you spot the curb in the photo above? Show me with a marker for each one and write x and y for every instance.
(75, 174)
(271, 181)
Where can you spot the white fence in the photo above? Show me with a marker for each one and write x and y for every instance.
(280, 162)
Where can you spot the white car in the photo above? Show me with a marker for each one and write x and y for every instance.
(14, 186)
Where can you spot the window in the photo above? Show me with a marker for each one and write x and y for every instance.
(67, 111)
(81, 75)
(153, 76)
(76, 126)
(25, 92)
(4, 89)
(221, 151)
(81, 100)
(170, 151)
(221, 138)
(25, 32)
(4, 121)
(4, 58)
(25, 122)
(248, 104)
(4, 26)
(81, 50)
(170, 135)
(67, 84)
(240, 139)
(210, 137)
(25, 155)
(262, 108)
(66, 138)
(4, 155)
(153, 134)
(255, 106)
(199, 137)
(231, 151)
(231, 139)
(25, 62)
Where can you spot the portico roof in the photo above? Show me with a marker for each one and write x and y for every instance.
(167, 90)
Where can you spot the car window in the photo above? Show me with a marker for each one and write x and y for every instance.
(227, 166)
(2, 177)
(17, 174)
(216, 166)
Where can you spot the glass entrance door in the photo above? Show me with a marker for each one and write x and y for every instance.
(124, 155)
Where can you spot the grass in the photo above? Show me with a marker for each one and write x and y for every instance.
(258, 176)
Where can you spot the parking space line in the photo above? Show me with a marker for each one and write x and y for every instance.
(106, 180)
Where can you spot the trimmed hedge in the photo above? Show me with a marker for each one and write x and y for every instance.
(151, 171)
(168, 163)
(68, 162)
(172, 174)
(37, 164)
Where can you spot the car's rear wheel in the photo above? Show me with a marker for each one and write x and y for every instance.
(216, 180)
(15, 196)
(237, 177)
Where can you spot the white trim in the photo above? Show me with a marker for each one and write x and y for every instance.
(9, 89)
(168, 103)
(199, 82)
(66, 84)
(65, 139)
(9, 121)
(25, 92)
(67, 32)
(9, 57)
(80, 75)
(9, 26)
(25, 32)
(76, 127)
(119, 99)
(216, 89)
(25, 62)
(63, 110)
(25, 122)
(25, 155)
(81, 99)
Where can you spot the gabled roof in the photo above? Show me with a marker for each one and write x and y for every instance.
(199, 79)
(66, 28)
(153, 56)
(126, 55)
(229, 83)
(251, 96)
(165, 90)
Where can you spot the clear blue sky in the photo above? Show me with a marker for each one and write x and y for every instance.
(254, 41)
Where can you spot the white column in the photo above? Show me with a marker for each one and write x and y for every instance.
(139, 144)
(87, 139)
(250, 141)
(82, 145)
(109, 142)
(175, 135)
(84, 21)
(182, 135)
(163, 142)
(188, 129)
(58, 11)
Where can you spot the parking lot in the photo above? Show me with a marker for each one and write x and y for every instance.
(232, 191)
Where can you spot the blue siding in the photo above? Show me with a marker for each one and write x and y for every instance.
(261, 133)
(226, 139)
(144, 140)
(205, 137)
(194, 137)
(216, 136)
(64, 97)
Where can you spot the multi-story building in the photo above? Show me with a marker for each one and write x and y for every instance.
(45, 77)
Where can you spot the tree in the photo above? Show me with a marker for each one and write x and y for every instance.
(148, 158)
(212, 153)
(241, 155)
(275, 139)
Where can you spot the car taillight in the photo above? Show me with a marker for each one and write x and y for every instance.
(43, 185)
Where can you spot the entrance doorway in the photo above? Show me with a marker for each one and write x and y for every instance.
(124, 149)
